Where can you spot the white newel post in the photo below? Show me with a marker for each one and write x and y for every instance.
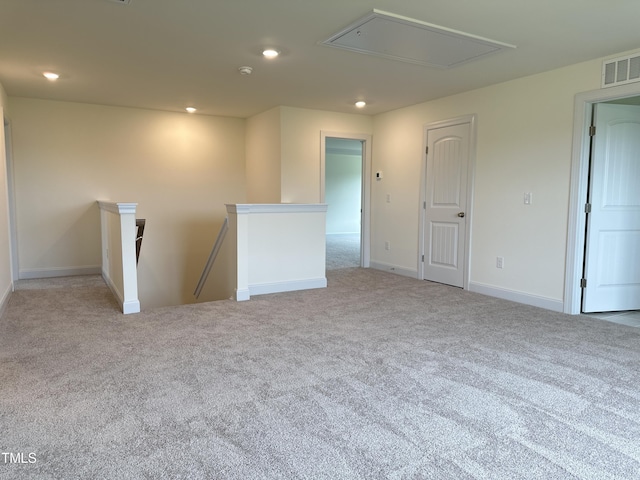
(239, 229)
(119, 269)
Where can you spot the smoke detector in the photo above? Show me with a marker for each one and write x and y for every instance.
(245, 70)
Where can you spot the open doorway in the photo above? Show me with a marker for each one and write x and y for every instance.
(343, 194)
(581, 264)
(345, 161)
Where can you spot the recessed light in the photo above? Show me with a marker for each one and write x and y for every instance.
(361, 104)
(51, 76)
(270, 53)
(190, 109)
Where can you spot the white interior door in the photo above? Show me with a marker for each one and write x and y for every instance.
(612, 252)
(445, 216)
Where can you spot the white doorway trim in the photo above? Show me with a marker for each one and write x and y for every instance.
(579, 186)
(472, 121)
(11, 204)
(365, 229)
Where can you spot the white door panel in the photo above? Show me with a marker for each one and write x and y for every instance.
(612, 256)
(446, 200)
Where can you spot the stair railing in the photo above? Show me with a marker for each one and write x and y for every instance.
(140, 222)
(212, 257)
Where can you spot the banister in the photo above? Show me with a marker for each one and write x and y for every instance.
(140, 222)
(212, 257)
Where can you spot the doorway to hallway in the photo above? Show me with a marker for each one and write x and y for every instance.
(345, 164)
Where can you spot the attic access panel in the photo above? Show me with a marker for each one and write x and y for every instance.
(387, 35)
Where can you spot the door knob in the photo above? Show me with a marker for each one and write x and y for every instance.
(461, 214)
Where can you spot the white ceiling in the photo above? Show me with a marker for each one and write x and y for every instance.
(168, 54)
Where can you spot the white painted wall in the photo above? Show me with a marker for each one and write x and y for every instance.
(286, 247)
(301, 148)
(524, 145)
(6, 284)
(263, 152)
(343, 192)
(279, 247)
(181, 169)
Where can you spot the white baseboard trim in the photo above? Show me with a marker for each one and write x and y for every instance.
(6, 296)
(515, 296)
(405, 272)
(116, 293)
(31, 273)
(132, 306)
(242, 295)
(288, 286)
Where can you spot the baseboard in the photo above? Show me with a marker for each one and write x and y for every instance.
(515, 296)
(131, 306)
(242, 295)
(116, 293)
(288, 286)
(31, 273)
(405, 272)
(4, 301)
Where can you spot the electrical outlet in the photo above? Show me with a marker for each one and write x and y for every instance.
(387, 245)
(388, 198)
(528, 198)
(499, 262)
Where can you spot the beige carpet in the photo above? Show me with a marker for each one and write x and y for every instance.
(376, 377)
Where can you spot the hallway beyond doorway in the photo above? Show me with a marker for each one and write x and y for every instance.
(630, 318)
(343, 250)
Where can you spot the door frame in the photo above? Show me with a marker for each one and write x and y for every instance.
(579, 186)
(472, 120)
(11, 202)
(365, 218)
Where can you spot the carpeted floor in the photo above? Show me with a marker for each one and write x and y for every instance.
(377, 376)
(343, 250)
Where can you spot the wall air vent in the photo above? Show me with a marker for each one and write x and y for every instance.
(621, 70)
(388, 35)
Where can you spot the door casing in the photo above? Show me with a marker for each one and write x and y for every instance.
(13, 235)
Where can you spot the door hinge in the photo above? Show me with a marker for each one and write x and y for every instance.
(583, 283)
(426, 150)
(587, 208)
(424, 204)
(592, 130)
(422, 258)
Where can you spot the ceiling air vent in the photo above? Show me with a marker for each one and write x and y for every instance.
(621, 70)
